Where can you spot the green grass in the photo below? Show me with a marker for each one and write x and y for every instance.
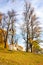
(19, 58)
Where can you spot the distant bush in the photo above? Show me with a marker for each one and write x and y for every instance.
(36, 46)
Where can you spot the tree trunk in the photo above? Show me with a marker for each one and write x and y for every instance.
(5, 45)
(27, 47)
(31, 47)
(27, 38)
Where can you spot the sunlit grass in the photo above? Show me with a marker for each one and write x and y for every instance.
(19, 58)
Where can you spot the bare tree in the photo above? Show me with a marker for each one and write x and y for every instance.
(30, 30)
(7, 21)
(26, 25)
(35, 28)
(6, 25)
(12, 28)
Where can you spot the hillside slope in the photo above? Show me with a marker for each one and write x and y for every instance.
(19, 58)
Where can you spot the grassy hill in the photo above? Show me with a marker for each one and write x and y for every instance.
(19, 58)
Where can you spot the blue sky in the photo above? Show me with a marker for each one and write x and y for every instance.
(18, 5)
(6, 5)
